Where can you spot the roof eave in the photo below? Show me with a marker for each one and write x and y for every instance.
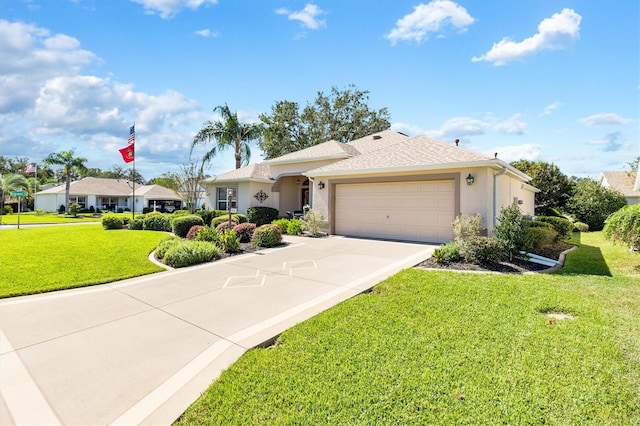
(309, 159)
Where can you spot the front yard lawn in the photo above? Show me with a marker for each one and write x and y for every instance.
(432, 347)
(35, 260)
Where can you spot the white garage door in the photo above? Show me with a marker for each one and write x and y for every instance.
(411, 211)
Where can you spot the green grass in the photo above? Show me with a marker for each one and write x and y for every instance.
(30, 217)
(35, 260)
(431, 347)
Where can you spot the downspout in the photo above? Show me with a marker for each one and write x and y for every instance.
(495, 194)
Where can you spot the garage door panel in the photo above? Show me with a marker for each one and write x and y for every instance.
(417, 210)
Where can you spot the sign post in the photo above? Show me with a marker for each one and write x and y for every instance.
(18, 194)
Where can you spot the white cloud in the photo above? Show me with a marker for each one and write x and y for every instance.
(407, 129)
(513, 125)
(605, 119)
(169, 8)
(458, 127)
(550, 108)
(30, 56)
(206, 33)
(430, 18)
(556, 32)
(309, 16)
(511, 153)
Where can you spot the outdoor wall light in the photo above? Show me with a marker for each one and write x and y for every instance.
(470, 180)
(321, 185)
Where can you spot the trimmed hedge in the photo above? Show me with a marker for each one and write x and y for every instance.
(225, 225)
(137, 224)
(542, 237)
(282, 223)
(245, 231)
(155, 221)
(623, 226)
(182, 224)
(480, 250)
(267, 236)
(221, 219)
(564, 227)
(112, 222)
(580, 227)
(207, 216)
(262, 215)
(294, 227)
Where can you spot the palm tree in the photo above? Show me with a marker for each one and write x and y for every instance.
(69, 165)
(228, 131)
(9, 182)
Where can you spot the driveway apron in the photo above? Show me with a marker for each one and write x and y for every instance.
(140, 351)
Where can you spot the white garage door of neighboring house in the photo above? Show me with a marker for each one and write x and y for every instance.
(411, 211)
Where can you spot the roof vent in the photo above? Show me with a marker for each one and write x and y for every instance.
(495, 155)
(457, 142)
(376, 137)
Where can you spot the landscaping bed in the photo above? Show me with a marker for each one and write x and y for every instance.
(515, 266)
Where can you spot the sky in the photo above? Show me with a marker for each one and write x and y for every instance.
(548, 80)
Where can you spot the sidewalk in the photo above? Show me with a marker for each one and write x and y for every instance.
(141, 351)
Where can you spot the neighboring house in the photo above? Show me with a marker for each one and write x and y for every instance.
(625, 182)
(385, 185)
(109, 195)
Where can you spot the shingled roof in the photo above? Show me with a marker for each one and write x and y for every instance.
(621, 181)
(326, 150)
(250, 172)
(418, 151)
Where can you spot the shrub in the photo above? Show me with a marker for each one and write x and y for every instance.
(267, 236)
(466, 226)
(541, 237)
(209, 234)
(294, 227)
(193, 231)
(156, 221)
(187, 253)
(562, 226)
(537, 224)
(225, 225)
(623, 226)
(39, 212)
(262, 215)
(510, 231)
(480, 250)
(207, 216)
(120, 210)
(74, 209)
(137, 224)
(245, 231)
(580, 227)
(146, 210)
(62, 209)
(92, 209)
(312, 221)
(592, 203)
(282, 223)
(239, 218)
(446, 253)
(183, 223)
(221, 219)
(165, 244)
(9, 210)
(179, 213)
(112, 222)
(229, 241)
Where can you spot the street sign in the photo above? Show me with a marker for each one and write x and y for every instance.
(19, 193)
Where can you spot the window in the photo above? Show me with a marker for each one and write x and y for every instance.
(82, 201)
(221, 200)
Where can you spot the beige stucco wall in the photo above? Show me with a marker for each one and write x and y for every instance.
(476, 198)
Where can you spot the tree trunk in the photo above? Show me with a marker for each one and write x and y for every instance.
(67, 190)
(238, 153)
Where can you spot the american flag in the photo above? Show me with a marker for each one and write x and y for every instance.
(31, 168)
(132, 134)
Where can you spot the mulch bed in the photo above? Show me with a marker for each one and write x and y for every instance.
(518, 266)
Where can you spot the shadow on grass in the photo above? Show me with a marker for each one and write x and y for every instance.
(586, 260)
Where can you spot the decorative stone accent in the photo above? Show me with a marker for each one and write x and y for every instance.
(261, 196)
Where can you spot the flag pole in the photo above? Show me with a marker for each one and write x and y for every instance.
(133, 175)
(35, 189)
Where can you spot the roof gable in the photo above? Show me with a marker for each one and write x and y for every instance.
(252, 171)
(623, 181)
(325, 150)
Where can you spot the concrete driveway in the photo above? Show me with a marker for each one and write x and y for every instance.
(141, 351)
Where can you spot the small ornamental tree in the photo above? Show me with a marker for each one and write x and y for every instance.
(592, 203)
(511, 231)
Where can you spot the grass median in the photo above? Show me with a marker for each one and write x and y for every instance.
(35, 260)
(431, 347)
